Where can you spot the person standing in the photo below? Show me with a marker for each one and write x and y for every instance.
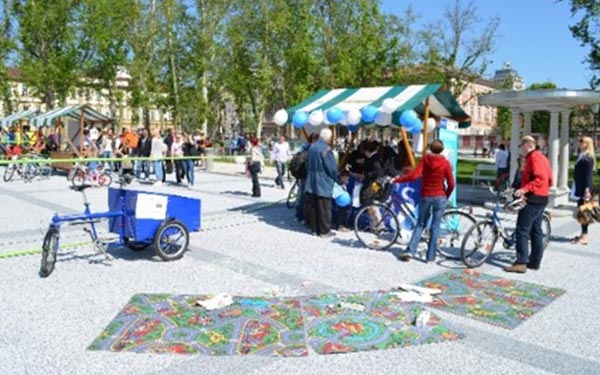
(583, 177)
(321, 175)
(158, 149)
(255, 162)
(437, 186)
(177, 152)
(143, 150)
(535, 187)
(280, 155)
(190, 149)
(501, 159)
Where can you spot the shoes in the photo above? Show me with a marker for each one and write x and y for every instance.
(516, 268)
(255, 195)
(403, 256)
(327, 235)
(343, 229)
(530, 267)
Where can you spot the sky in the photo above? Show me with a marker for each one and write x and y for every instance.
(534, 37)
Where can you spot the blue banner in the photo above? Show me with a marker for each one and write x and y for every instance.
(450, 139)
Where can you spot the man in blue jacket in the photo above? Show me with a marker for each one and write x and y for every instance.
(322, 172)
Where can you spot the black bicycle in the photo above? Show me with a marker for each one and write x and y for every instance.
(292, 195)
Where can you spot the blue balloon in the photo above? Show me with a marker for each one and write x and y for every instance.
(343, 200)
(353, 128)
(300, 119)
(416, 129)
(369, 113)
(409, 119)
(335, 115)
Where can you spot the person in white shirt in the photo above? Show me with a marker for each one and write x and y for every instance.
(281, 154)
(158, 149)
(502, 166)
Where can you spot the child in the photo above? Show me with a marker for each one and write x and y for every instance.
(341, 215)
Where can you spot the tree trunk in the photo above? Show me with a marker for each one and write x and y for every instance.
(173, 67)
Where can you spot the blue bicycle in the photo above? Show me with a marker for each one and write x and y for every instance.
(379, 225)
(170, 240)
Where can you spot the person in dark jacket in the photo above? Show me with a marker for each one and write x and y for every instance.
(535, 186)
(322, 173)
(583, 177)
(373, 170)
(143, 150)
(438, 184)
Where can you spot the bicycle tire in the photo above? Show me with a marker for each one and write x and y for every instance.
(453, 228)
(475, 249)
(78, 178)
(105, 179)
(292, 195)
(546, 229)
(168, 242)
(8, 173)
(49, 252)
(377, 234)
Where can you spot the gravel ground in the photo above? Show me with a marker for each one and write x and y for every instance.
(47, 324)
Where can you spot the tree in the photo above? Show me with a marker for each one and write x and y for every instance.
(504, 118)
(5, 48)
(48, 49)
(540, 120)
(456, 48)
(587, 31)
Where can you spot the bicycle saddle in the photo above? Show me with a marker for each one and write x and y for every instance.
(81, 188)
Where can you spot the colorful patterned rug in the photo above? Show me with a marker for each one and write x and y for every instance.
(369, 321)
(162, 323)
(494, 300)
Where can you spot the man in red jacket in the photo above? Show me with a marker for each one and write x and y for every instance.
(437, 186)
(535, 186)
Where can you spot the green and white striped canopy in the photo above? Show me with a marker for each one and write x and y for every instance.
(26, 114)
(441, 103)
(72, 111)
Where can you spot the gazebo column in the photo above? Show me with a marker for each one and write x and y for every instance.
(553, 149)
(563, 177)
(527, 123)
(515, 140)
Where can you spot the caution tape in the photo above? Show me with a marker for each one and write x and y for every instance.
(39, 160)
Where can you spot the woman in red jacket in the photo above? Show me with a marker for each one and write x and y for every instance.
(437, 186)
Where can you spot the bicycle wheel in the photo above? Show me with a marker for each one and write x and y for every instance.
(453, 227)
(49, 252)
(105, 179)
(478, 244)
(376, 226)
(546, 229)
(9, 173)
(171, 240)
(291, 199)
(78, 178)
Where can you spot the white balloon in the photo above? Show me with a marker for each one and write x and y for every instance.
(316, 118)
(431, 124)
(383, 119)
(281, 117)
(353, 117)
(389, 105)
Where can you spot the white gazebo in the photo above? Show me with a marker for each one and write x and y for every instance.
(559, 103)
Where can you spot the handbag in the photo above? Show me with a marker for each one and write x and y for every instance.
(588, 212)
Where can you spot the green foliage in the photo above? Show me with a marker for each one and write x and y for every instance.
(540, 120)
(587, 31)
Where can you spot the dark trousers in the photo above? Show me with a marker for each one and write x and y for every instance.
(179, 170)
(280, 173)
(529, 225)
(254, 170)
(319, 218)
(584, 227)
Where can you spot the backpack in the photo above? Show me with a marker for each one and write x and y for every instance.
(298, 165)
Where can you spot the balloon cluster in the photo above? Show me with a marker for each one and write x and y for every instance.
(369, 114)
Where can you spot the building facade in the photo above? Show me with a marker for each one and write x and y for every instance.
(23, 98)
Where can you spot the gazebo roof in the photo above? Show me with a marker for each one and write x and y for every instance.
(74, 112)
(541, 100)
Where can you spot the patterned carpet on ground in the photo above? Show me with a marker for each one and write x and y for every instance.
(369, 321)
(494, 300)
(162, 323)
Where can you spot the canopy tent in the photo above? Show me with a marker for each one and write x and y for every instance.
(15, 117)
(80, 112)
(441, 102)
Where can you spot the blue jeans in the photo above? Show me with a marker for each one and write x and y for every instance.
(280, 173)
(428, 206)
(188, 166)
(529, 225)
(158, 169)
(107, 155)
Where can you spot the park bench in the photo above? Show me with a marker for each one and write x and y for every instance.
(484, 172)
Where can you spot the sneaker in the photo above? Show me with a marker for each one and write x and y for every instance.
(516, 268)
(403, 256)
(531, 267)
(343, 229)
